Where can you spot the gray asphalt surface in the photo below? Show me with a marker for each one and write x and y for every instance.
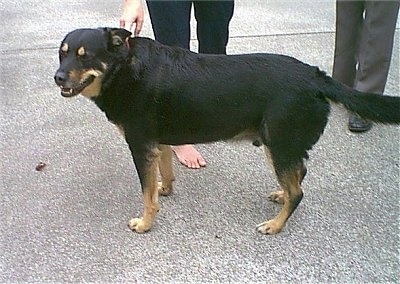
(68, 223)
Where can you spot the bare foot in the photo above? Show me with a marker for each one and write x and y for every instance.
(189, 156)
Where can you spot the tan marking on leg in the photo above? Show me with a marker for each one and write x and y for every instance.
(277, 196)
(166, 171)
(150, 196)
(269, 158)
(291, 196)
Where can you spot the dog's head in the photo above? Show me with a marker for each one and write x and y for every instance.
(85, 56)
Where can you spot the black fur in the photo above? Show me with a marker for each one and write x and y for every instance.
(168, 95)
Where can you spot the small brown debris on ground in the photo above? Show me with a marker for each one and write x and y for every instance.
(40, 166)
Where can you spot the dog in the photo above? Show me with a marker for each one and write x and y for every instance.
(159, 96)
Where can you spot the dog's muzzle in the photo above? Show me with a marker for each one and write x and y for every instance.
(69, 89)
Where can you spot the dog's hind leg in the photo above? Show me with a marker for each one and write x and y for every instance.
(290, 196)
(166, 170)
(278, 195)
(289, 130)
(146, 161)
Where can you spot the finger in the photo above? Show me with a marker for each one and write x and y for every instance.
(126, 25)
(138, 28)
(122, 23)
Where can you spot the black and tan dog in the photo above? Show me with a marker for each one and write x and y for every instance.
(159, 96)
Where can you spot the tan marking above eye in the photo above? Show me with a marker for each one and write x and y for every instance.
(81, 51)
(64, 47)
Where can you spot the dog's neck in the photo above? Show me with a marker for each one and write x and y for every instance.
(109, 77)
(114, 92)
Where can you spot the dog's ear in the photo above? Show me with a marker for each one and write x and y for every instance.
(119, 36)
(116, 36)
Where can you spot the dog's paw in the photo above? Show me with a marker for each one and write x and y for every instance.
(164, 190)
(277, 196)
(138, 225)
(270, 227)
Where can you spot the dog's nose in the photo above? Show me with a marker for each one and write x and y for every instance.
(60, 78)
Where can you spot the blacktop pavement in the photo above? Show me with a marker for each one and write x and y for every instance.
(68, 222)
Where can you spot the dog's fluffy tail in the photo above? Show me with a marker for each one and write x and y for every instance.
(373, 107)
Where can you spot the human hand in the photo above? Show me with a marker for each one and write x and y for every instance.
(132, 13)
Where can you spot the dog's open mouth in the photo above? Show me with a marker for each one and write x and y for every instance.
(70, 92)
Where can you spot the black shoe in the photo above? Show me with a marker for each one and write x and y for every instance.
(358, 124)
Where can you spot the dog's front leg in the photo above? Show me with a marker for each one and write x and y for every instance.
(146, 161)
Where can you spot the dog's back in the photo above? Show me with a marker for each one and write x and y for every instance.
(211, 97)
